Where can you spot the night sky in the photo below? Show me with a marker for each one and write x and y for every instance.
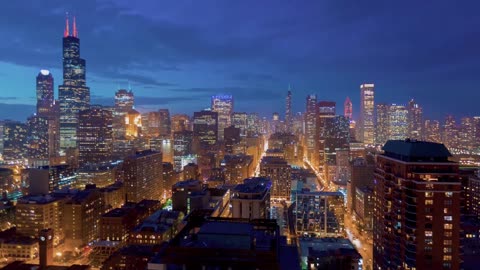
(176, 54)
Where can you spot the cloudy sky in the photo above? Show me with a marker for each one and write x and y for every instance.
(176, 54)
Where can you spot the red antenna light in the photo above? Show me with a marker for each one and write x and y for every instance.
(66, 32)
(75, 33)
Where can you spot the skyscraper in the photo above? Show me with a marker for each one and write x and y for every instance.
(45, 95)
(450, 132)
(416, 207)
(239, 120)
(223, 105)
(415, 121)
(165, 123)
(288, 110)
(366, 127)
(73, 94)
(123, 104)
(348, 109)
(397, 122)
(311, 125)
(205, 127)
(381, 135)
(95, 136)
(466, 133)
(432, 131)
(325, 112)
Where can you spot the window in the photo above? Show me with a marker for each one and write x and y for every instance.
(428, 233)
(447, 202)
(447, 257)
(447, 226)
(429, 218)
(445, 210)
(447, 250)
(429, 194)
(428, 202)
(447, 218)
(448, 194)
(448, 234)
(447, 242)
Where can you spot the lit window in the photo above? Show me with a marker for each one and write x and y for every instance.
(447, 226)
(448, 194)
(428, 233)
(429, 194)
(448, 218)
(429, 202)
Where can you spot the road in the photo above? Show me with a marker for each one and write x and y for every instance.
(362, 242)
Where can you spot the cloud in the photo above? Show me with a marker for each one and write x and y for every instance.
(8, 98)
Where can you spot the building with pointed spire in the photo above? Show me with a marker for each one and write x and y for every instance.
(73, 94)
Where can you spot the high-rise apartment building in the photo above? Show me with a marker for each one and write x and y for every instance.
(366, 124)
(95, 136)
(251, 200)
(415, 121)
(143, 176)
(223, 105)
(73, 94)
(417, 207)
(165, 127)
(466, 133)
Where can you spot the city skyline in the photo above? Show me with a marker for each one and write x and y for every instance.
(183, 80)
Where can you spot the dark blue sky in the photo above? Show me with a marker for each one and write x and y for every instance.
(177, 53)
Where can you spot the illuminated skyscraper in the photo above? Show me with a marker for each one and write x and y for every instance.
(348, 109)
(476, 128)
(311, 125)
(239, 120)
(73, 94)
(288, 110)
(325, 112)
(205, 128)
(253, 124)
(182, 147)
(45, 95)
(450, 132)
(95, 137)
(123, 104)
(133, 124)
(165, 124)
(432, 131)
(223, 105)
(180, 122)
(366, 127)
(381, 135)
(415, 121)
(466, 133)
(397, 122)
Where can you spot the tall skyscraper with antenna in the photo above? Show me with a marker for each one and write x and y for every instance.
(73, 94)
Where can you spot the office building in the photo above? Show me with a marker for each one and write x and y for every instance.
(73, 94)
(237, 168)
(319, 214)
(143, 176)
(206, 127)
(325, 112)
(279, 172)
(450, 132)
(366, 127)
(382, 124)
(416, 208)
(397, 122)
(123, 104)
(180, 122)
(348, 109)
(14, 140)
(223, 105)
(239, 120)
(182, 147)
(361, 176)
(133, 124)
(415, 120)
(432, 131)
(94, 136)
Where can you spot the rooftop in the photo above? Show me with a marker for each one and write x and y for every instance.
(412, 150)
